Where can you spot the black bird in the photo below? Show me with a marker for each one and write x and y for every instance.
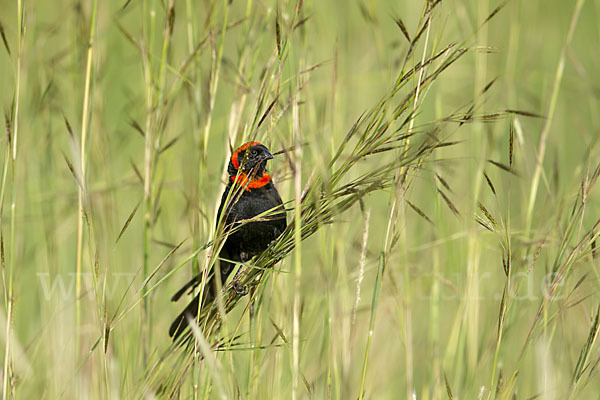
(249, 193)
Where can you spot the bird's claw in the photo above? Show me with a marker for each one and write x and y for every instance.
(270, 249)
(240, 290)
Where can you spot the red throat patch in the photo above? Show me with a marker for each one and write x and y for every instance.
(242, 179)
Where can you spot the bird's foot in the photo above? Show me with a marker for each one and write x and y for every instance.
(240, 290)
(271, 251)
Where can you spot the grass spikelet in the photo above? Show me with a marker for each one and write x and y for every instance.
(487, 214)
(128, 221)
(4, 40)
(489, 183)
(403, 29)
(420, 212)
(502, 166)
(511, 143)
(448, 202)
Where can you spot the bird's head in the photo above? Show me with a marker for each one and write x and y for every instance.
(252, 159)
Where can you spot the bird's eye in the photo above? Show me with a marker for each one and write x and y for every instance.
(253, 152)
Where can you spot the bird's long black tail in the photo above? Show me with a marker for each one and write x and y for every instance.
(180, 323)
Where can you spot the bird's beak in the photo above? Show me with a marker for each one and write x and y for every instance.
(267, 156)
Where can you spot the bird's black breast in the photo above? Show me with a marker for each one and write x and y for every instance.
(249, 239)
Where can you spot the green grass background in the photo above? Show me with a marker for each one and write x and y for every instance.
(436, 327)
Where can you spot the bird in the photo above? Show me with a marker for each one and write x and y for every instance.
(249, 193)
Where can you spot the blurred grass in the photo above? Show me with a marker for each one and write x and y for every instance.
(461, 310)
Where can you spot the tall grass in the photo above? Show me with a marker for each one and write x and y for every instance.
(438, 161)
(12, 130)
